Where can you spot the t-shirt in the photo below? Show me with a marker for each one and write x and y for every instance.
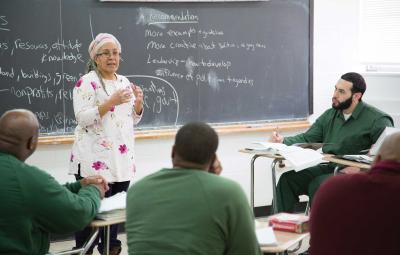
(183, 211)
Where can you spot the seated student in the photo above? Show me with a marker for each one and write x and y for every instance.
(33, 204)
(358, 213)
(189, 209)
(347, 128)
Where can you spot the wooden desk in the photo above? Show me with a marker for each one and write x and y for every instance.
(345, 162)
(285, 240)
(109, 218)
(276, 158)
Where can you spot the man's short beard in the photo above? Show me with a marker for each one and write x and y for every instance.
(344, 105)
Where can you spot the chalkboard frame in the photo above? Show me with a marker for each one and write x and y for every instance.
(54, 139)
(289, 126)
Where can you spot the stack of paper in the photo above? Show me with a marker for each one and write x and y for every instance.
(298, 157)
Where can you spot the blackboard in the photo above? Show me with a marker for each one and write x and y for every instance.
(226, 62)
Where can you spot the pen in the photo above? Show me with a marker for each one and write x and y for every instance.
(276, 131)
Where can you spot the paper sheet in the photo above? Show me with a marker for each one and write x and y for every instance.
(118, 201)
(298, 157)
(266, 236)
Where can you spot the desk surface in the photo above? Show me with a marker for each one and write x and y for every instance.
(329, 158)
(286, 240)
(345, 162)
(261, 153)
(109, 218)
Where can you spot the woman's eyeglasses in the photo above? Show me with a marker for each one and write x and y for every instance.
(108, 54)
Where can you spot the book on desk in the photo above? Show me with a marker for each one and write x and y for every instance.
(297, 223)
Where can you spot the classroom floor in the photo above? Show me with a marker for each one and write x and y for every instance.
(67, 245)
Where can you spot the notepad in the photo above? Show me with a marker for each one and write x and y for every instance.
(266, 237)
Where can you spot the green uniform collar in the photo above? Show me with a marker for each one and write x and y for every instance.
(360, 106)
(356, 113)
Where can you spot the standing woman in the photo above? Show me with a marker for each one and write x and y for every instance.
(106, 106)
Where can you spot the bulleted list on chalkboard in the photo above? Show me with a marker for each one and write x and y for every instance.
(213, 62)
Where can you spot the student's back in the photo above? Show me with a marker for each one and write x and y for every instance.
(358, 213)
(182, 211)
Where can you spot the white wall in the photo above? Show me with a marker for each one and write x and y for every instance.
(335, 52)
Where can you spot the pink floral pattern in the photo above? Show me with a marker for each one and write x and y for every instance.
(112, 109)
(78, 83)
(94, 85)
(99, 165)
(99, 146)
(123, 148)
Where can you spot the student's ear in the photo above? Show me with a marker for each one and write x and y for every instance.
(32, 142)
(215, 166)
(211, 165)
(29, 144)
(173, 152)
(357, 96)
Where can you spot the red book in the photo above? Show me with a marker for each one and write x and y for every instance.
(290, 222)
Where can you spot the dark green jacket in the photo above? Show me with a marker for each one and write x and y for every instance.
(34, 204)
(358, 133)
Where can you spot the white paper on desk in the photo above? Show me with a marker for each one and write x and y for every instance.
(277, 148)
(359, 158)
(117, 201)
(266, 236)
(298, 157)
(303, 158)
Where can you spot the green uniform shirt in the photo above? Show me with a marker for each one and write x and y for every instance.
(181, 211)
(34, 204)
(358, 133)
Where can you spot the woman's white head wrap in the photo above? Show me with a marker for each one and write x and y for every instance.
(99, 41)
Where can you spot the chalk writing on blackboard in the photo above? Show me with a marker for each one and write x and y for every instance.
(3, 23)
(213, 62)
(159, 95)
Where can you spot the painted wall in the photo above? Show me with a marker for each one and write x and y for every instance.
(335, 52)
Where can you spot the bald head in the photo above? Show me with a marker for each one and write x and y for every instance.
(18, 133)
(390, 148)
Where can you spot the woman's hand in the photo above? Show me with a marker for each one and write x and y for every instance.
(121, 96)
(137, 91)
